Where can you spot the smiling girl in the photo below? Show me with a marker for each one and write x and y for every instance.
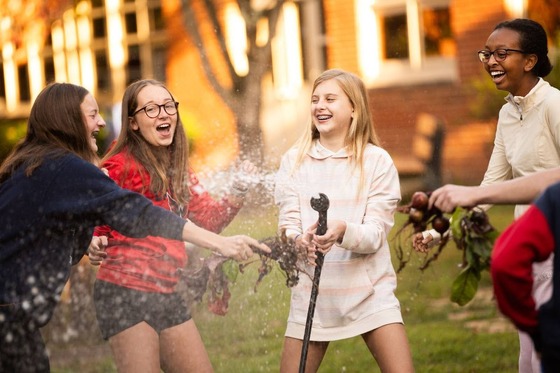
(528, 132)
(146, 322)
(339, 155)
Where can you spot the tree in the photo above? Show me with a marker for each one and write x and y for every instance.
(547, 13)
(241, 94)
(26, 14)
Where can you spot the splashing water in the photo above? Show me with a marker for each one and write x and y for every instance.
(220, 182)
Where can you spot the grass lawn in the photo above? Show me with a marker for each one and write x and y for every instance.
(443, 337)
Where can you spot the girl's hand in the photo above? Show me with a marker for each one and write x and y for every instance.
(96, 250)
(421, 242)
(450, 196)
(241, 247)
(333, 235)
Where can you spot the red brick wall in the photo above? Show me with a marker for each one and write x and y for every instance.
(472, 23)
(340, 26)
(467, 144)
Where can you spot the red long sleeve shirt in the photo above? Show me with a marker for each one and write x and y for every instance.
(151, 263)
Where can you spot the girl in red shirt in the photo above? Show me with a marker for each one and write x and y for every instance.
(146, 321)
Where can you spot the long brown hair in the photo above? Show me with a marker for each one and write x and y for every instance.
(56, 126)
(168, 168)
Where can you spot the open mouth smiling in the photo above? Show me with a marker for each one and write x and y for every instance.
(497, 74)
(163, 127)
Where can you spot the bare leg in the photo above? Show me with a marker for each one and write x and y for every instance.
(182, 350)
(136, 349)
(291, 355)
(389, 346)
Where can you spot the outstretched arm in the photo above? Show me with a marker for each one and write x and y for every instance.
(521, 190)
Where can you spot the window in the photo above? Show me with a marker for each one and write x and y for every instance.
(145, 40)
(103, 72)
(134, 66)
(49, 70)
(130, 22)
(395, 39)
(99, 27)
(156, 19)
(406, 41)
(24, 90)
(159, 56)
(438, 37)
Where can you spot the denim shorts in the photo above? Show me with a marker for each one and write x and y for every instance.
(119, 308)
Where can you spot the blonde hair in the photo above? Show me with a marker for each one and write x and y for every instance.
(361, 131)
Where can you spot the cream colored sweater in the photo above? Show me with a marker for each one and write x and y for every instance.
(356, 290)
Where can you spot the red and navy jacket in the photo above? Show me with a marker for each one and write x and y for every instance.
(531, 238)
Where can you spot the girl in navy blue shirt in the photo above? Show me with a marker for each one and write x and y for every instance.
(52, 195)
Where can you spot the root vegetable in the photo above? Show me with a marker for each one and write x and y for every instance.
(419, 201)
(440, 224)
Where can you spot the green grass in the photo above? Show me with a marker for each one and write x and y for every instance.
(443, 336)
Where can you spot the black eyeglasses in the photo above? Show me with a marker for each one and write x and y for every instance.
(153, 110)
(499, 54)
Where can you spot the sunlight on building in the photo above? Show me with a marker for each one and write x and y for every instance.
(116, 34)
(10, 73)
(286, 53)
(71, 46)
(369, 59)
(35, 67)
(236, 39)
(84, 42)
(59, 57)
(517, 8)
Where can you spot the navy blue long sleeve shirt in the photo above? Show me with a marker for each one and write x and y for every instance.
(47, 222)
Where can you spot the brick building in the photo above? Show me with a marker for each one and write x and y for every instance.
(415, 56)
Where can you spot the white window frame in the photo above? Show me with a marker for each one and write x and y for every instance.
(418, 68)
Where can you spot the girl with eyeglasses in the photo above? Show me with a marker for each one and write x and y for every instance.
(52, 195)
(527, 136)
(139, 311)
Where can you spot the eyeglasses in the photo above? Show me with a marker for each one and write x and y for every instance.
(153, 110)
(499, 54)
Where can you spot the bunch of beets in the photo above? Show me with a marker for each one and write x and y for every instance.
(471, 232)
(420, 216)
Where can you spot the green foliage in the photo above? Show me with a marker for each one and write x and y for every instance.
(231, 270)
(465, 286)
(554, 77)
(486, 100)
(11, 131)
(474, 236)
